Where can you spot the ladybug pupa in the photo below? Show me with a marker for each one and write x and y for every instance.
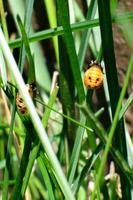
(21, 107)
(93, 77)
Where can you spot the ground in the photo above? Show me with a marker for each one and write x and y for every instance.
(123, 53)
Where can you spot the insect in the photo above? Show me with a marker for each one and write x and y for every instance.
(93, 77)
(20, 102)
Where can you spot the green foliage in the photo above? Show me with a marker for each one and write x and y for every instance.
(61, 147)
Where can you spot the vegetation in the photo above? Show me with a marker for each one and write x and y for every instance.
(55, 141)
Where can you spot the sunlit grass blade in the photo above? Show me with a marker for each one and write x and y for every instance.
(21, 62)
(35, 119)
(3, 70)
(39, 59)
(37, 143)
(45, 34)
(3, 20)
(50, 7)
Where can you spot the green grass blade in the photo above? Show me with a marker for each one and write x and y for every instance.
(76, 150)
(3, 20)
(46, 177)
(27, 24)
(111, 74)
(87, 168)
(101, 133)
(21, 62)
(37, 145)
(126, 105)
(86, 35)
(39, 59)
(3, 70)
(31, 74)
(67, 94)
(113, 127)
(108, 53)
(35, 119)
(8, 156)
(64, 20)
(77, 123)
(45, 34)
(50, 7)
(32, 158)
(24, 161)
(37, 187)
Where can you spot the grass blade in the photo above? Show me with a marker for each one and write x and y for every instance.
(31, 76)
(112, 130)
(111, 74)
(64, 19)
(45, 34)
(3, 70)
(126, 105)
(35, 119)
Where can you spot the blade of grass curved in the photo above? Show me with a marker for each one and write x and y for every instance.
(126, 105)
(111, 74)
(35, 119)
(101, 133)
(87, 168)
(127, 29)
(67, 117)
(23, 164)
(112, 129)
(37, 188)
(39, 60)
(46, 177)
(41, 35)
(37, 144)
(21, 62)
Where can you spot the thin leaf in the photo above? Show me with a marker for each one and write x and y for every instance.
(35, 119)
(3, 70)
(31, 76)
(45, 34)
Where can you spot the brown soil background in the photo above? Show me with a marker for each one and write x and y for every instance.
(123, 53)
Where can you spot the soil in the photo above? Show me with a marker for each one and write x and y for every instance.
(123, 53)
